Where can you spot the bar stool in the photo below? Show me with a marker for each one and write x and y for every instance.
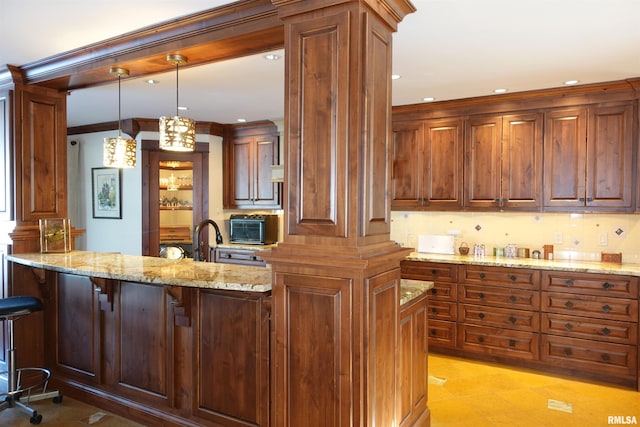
(19, 392)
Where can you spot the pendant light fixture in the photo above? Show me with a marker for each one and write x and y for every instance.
(177, 133)
(119, 152)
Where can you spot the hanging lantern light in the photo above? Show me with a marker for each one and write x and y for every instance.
(177, 133)
(119, 152)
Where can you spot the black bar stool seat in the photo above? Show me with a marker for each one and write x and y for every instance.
(12, 308)
(18, 306)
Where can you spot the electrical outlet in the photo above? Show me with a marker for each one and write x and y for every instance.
(602, 241)
(557, 238)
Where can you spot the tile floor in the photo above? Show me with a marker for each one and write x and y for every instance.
(462, 393)
(465, 393)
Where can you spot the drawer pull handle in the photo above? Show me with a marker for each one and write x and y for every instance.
(606, 286)
(569, 282)
(481, 339)
(606, 331)
(606, 309)
(606, 357)
(482, 275)
(568, 304)
(512, 298)
(568, 326)
(512, 320)
(481, 316)
(513, 278)
(512, 343)
(481, 295)
(568, 351)
(434, 272)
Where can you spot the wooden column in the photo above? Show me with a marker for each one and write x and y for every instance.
(336, 275)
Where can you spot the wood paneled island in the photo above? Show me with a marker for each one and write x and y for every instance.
(168, 342)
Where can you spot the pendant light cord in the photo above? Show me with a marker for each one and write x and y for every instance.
(119, 112)
(177, 91)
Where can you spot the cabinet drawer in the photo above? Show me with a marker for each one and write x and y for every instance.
(496, 341)
(236, 256)
(588, 328)
(594, 356)
(591, 306)
(443, 310)
(500, 317)
(591, 284)
(435, 272)
(497, 276)
(499, 297)
(443, 292)
(442, 333)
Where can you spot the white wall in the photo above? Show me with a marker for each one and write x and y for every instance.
(122, 235)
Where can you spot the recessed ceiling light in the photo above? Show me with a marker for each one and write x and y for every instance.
(152, 81)
(241, 120)
(272, 57)
(395, 76)
(500, 90)
(571, 82)
(429, 99)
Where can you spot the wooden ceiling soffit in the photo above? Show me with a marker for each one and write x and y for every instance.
(134, 126)
(238, 29)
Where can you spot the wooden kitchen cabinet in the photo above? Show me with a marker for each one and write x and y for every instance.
(413, 372)
(249, 152)
(241, 256)
(590, 323)
(427, 165)
(503, 162)
(442, 308)
(588, 158)
(499, 311)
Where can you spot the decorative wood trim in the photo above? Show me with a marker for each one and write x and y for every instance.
(104, 288)
(134, 126)
(180, 300)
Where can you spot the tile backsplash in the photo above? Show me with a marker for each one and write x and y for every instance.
(574, 236)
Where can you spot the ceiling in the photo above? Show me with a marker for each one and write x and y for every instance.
(448, 49)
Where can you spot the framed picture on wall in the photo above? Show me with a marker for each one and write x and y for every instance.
(106, 192)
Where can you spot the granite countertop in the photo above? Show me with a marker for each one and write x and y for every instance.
(411, 289)
(541, 264)
(145, 269)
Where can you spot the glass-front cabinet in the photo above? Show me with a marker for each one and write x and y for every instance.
(175, 190)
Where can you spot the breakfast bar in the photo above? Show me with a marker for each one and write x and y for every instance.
(171, 342)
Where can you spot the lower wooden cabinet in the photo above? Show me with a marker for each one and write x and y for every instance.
(413, 374)
(580, 324)
(165, 355)
(240, 256)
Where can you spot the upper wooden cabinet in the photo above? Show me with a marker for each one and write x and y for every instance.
(503, 162)
(427, 165)
(249, 153)
(588, 158)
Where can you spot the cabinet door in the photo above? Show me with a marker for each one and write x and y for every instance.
(442, 174)
(565, 152)
(265, 153)
(482, 167)
(522, 161)
(610, 157)
(407, 166)
(242, 171)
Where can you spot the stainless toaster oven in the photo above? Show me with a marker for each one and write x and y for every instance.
(253, 229)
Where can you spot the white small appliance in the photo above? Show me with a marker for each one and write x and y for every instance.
(436, 244)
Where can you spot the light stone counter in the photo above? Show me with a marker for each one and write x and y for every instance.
(145, 269)
(411, 289)
(541, 264)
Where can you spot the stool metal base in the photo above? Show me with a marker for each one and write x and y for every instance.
(23, 395)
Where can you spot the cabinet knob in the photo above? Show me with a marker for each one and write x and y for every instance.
(434, 291)
(606, 286)
(434, 271)
(481, 295)
(512, 343)
(512, 320)
(568, 327)
(606, 331)
(433, 310)
(606, 308)
(569, 282)
(480, 339)
(433, 332)
(606, 357)
(568, 304)
(568, 351)
(482, 275)
(513, 278)
(481, 316)
(513, 298)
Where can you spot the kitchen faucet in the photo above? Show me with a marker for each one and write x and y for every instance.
(199, 254)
